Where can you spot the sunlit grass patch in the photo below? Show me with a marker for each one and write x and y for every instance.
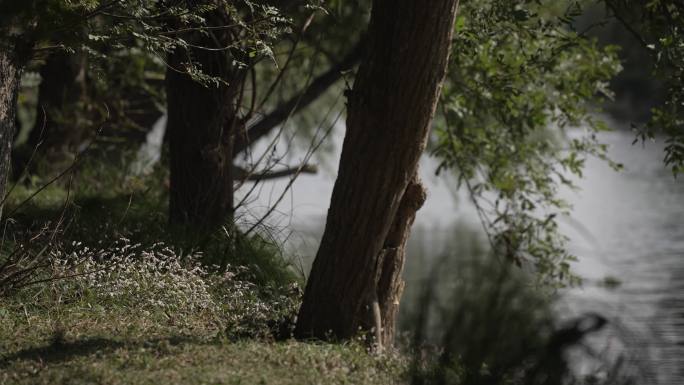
(147, 289)
(145, 315)
(178, 361)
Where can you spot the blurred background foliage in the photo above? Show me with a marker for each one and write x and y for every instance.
(520, 79)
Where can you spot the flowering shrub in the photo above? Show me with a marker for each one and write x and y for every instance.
(151, 279)
(156, 281)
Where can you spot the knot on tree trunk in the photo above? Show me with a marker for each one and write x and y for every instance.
(415, 194)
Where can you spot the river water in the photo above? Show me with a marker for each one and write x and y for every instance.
(636, 222)
(627, 230)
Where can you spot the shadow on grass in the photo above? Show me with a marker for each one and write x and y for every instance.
(62, 351)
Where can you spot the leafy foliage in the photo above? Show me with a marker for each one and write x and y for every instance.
(92, 25)
(659, 26)
(122, 47)
(518, 80)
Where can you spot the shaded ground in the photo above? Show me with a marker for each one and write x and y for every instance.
(136, 312)
(184, 361)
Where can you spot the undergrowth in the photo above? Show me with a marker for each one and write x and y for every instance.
(98, 202)
(131, 314)
(96, 287)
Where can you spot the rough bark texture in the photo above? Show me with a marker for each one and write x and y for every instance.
(376, 194)
(10, 75)
(390, 285)
(200, 128)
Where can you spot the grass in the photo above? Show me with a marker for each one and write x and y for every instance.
(185, 359)
(92, 352)
(132, 314)
(126, 299)
(85, 331)
(182, 361)
(100, 204)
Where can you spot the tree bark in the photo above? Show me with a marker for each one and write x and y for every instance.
(201, 125)
(355, 282)
(390, 285)
(10, 76)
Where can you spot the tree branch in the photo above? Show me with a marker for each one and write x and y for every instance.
(241, 173)
(616, 13)
(317, 87)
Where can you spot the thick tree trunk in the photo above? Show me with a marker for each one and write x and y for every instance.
(10, 76)
(200, 128)
(355, 282)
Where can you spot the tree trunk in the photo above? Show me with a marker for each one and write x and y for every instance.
(392, 255)
(59, 128)
(201, 120)
(355, 281)
(10, 76)
(62, 86)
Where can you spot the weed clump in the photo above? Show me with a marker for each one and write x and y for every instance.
(131, 313)
(154, 289)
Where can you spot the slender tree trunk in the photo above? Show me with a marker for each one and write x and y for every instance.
(59, 128)
(355, 282)
(63, 85)
(10, 76)
(201, 125)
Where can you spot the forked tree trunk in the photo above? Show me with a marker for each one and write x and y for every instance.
(390, 285)
(358, 266)
(200, 129)
(10, 75)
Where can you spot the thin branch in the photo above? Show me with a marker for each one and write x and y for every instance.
(317, 87)
(73, 164)
(100, 9)
(278, 78)
(270, 147)
(627, 25)
(261, 176)
(312, 149)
